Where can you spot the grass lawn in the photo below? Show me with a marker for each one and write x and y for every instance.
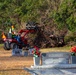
(1, 45)
(57, 49)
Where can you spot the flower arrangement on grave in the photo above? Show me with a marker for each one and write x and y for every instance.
(73, 51)
(36, 52)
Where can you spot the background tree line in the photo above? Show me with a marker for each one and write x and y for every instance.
(57, 16)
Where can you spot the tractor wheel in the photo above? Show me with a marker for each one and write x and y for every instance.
(6, 45)
(20, 47)
(14, 45)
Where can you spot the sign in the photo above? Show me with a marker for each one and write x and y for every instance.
(17, 52)
(55, 57)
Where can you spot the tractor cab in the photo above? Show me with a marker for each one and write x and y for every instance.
(20, 40)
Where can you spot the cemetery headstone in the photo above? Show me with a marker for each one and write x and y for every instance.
(73, 59)
(55, 57)
(17, 52)
(25, 53)
(51, 71)
(30, 50)
(54, 63)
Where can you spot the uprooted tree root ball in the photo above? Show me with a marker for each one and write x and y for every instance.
(44, 37)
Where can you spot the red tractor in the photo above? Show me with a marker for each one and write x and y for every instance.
(18, 41)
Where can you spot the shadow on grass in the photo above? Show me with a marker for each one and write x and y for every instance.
(10, 69)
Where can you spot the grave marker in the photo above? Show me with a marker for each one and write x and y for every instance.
(17, 52)
(59, 65)
(51, 71)
(25, 53)
(55, 57)
(73, 59)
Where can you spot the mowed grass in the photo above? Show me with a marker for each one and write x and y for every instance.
(57, 49)
(1, 46)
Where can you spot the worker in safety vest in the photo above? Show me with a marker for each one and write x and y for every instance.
(3, 36)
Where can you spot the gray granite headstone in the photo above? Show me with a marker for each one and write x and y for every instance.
(17, 52)
(51, 71)
(55, 57)
(61, 59)
(73, 59)
(30, 50)
(25, 53)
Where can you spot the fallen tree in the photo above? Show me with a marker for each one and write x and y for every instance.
(44, 38)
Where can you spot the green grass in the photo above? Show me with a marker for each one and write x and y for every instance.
(57, 49)
(1, 45)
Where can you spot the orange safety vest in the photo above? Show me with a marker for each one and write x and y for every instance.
(3, 36)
